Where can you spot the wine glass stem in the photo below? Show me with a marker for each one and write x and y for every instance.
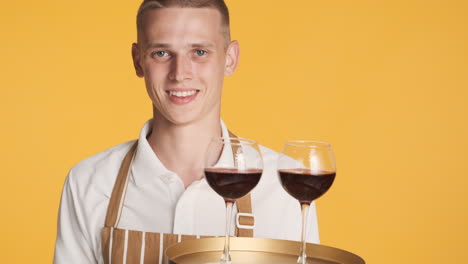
(226, 257)
(302, 255)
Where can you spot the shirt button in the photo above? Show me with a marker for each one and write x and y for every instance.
(167, 178)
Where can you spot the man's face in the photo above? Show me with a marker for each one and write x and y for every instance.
(183, 55)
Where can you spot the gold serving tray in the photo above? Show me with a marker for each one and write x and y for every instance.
(255, 250)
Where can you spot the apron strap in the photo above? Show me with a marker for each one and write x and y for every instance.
(244, 204)
(119, 186)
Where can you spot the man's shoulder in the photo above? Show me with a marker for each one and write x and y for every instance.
(105, 163)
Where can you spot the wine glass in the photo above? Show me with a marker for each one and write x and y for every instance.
(233, 167)
(307, 170)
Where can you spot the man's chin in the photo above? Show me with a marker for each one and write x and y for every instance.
(183, 119)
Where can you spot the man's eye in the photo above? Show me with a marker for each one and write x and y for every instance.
(201, 52)
(160, 53)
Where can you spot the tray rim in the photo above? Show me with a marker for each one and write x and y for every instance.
(258, 245)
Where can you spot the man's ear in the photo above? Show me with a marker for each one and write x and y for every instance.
(232, 58)
(136, 60)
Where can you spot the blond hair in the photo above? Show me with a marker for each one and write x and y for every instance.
(219, 5)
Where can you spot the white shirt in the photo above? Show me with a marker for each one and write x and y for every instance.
(156, 201)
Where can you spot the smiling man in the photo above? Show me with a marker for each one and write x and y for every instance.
(130, 202)
(183, 54)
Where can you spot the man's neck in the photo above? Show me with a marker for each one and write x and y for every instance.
(182, 148)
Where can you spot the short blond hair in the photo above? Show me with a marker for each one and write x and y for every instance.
(219, 5)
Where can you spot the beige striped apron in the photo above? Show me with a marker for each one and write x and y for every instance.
(128, 246)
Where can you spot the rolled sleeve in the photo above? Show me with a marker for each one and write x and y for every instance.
(72, 244)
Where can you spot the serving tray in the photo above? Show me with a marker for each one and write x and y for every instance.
(255, 250)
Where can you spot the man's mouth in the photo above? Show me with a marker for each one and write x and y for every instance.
(179, 97)
(182, 93)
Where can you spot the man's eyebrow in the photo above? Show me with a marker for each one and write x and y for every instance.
(157, 45)
(203, 45)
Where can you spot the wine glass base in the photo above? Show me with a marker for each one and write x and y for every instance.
(302, 260)
(225, 259)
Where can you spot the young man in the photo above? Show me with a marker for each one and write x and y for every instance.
(183, 53)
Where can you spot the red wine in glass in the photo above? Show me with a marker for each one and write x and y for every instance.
(305, 185)
(232, 183)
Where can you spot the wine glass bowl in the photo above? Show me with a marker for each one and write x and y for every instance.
(305, 185)
(233, 167)
(306, 170)
(232, 184)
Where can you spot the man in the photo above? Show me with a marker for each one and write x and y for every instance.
(183, 53)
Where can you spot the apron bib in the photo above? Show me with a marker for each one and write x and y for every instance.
(120, 246)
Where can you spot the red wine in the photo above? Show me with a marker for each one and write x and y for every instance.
(232, 184)
(305, 186)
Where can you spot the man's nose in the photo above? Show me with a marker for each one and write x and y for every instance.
(181, 69)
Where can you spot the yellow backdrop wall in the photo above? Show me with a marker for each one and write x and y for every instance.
(384, 81)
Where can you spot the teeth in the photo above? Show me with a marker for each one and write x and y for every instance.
(182, 94)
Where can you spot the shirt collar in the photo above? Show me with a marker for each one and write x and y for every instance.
(146, 165)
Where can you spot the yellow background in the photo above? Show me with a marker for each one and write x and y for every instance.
(384, 81)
